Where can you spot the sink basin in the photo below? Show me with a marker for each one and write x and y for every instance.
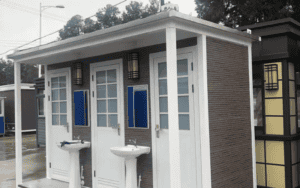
(73, 149)
(75, 145)
(130, 151)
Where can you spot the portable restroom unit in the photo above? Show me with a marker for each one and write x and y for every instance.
(2, 118)
(40, 114)
(28, 107)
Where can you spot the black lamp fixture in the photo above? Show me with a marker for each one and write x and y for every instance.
(78, 74)
(271, 77)
(133, 66)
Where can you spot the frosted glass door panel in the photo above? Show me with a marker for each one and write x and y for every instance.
(183, 94)
(59, 100)
(107, 102)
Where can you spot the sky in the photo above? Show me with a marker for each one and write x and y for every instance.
(20, 20)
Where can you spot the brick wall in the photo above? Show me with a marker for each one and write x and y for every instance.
(229, 114)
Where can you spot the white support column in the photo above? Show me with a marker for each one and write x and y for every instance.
(47, 125)
(204, 115)
(174, 150)
(252, 114)
(18, 121)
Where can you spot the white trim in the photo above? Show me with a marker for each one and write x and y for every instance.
(252, 114)
(153, 119)
(18, 123)
(182, 51)
(29, 130)
(12, 87)
(47, 123)
(204, 113)
(2, 106)
(93, 66)
(53, 73)
(174, 148)
(196, 116)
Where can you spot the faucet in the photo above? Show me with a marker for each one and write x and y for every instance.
(133, 141)
(78, 137)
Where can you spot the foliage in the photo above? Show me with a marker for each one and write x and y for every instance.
(107, 17)
(73, 27)
(28, 72)
(135, 10)
(90, 26)
(234, 13)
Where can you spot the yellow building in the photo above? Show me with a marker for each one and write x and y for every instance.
(276, 90)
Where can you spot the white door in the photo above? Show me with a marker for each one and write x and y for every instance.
(60, 116)
(107, 116)
(186, 122)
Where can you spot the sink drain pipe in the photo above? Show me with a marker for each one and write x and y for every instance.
(140, 179)
(81, 177)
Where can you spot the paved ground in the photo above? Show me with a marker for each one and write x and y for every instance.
(33, 160)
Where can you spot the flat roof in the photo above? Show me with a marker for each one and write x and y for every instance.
(269, 23)
(117, 31)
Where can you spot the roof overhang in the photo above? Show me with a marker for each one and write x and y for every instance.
(135, 34)
(275, 27)
(11, 87)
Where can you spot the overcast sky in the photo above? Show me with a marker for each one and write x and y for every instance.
(20, 20)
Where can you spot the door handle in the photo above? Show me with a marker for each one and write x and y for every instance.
(117, 127)
(157, 129)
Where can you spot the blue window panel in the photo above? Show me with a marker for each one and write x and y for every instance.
(85, 109)
(130, 107)
(140, 106)
(2, 128)
(80, 108)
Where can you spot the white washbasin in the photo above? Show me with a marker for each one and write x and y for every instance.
(75, 145)
(130, 151)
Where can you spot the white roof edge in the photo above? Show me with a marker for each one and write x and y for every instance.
(10, 87)
(153, 18)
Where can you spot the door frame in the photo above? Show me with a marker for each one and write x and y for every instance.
(93, 66)
(193, 51)
(48, 106)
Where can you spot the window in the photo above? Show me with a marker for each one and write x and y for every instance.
(138, 106)
(258, 98)
(81, 107)
(40, 103)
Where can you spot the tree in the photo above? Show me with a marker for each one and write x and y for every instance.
(108, 16)
(135, 10)
(28, 72)
(234, 13)
(153, 8)
(90, 26)
(73, 27)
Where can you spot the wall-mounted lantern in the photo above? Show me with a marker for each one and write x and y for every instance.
(133, 66)
(271, 77)
(78, 74)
